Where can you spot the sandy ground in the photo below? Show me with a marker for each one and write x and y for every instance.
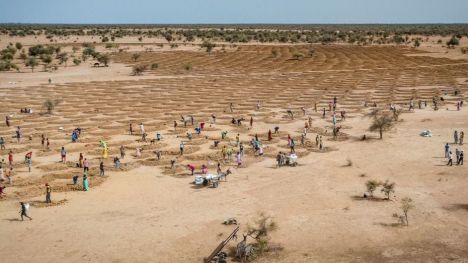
(146, 213)
(158, 218)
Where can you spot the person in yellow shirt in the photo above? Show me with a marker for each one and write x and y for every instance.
(9, 176)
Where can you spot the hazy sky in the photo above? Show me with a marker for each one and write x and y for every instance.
(234, 11)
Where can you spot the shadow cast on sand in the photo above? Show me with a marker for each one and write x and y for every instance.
(285, 166)
(455, 207)
(13, 219)
(390, 224)
(362, 198)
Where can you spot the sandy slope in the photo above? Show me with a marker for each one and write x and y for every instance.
(147, 215)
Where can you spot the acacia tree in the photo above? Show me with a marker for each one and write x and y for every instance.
(104, 59)
(453, 42)
(23, 57)
(89, 51)
(50, 105)
(135, 56)
(382, 122)
(63, 58)
(6, 65)
(138, 69)
(208, 45)
(47, 59)
(76, 61)
(406, 205)
(388, 188)
(260, 230)
(371, 186)
(31, 62)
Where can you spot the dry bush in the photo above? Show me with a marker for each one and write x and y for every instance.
(406, 205)
(274, 53)
(371, 186)
(138, 69)
(188, 66)
(298, 55)
(382, 122)
(260, 231)
(50, 105)
(388, 188)
(135, 56)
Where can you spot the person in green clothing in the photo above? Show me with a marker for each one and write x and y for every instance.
(85, 183)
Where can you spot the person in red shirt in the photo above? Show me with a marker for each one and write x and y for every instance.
(27, 156)
(10, 158)
(191, 167)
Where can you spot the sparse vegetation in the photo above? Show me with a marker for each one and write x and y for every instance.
(406, 205)
(76, 61)
(89, 51)
(38, 50)
(135, 56)
(371, 186)
(388, 188)
(23, 56)
(50, 105)
(103, 59)
(454, 41)
(208, 46)
(32, 63)
(260, 231)
(138, 69)
(8, 53)
(355, 34)
(298, 55)
(47, 59)
(188, 66)
(63, 58)
(382, 122)
(6, 65)
(274, 53)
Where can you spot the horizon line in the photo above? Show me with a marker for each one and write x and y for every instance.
(376, 23)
